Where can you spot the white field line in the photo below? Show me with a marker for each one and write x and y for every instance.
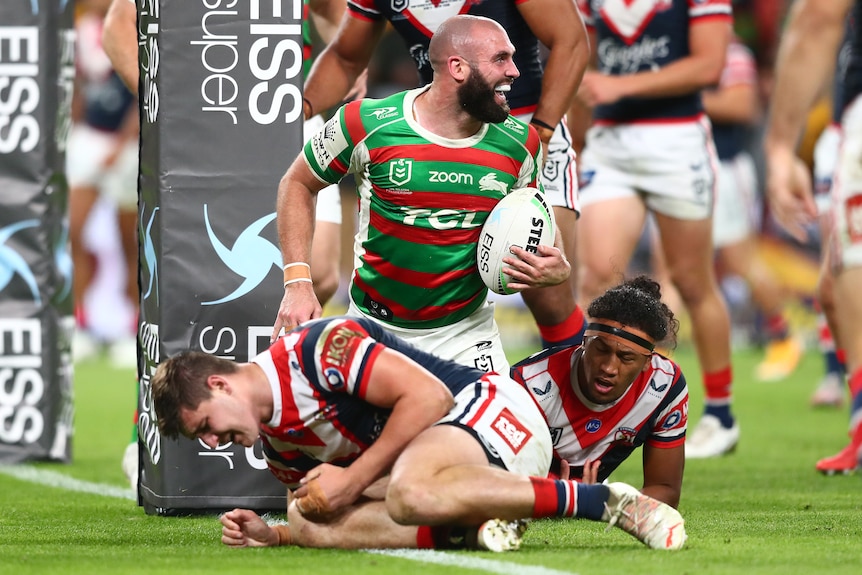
(60, 481)
(463, 561)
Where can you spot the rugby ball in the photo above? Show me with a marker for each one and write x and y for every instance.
(522, 218)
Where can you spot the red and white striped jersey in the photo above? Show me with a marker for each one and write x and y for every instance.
(654, 409)
(319, 375)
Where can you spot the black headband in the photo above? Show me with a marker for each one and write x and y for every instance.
(605, 328)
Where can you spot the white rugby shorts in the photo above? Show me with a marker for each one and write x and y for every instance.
(86, 152)
(506, 422)
(825, 160)
(847, 188)
(672, 166)
(560, 175)
(736, 209)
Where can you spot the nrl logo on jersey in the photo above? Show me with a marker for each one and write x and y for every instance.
(383, 113)
(400, 171)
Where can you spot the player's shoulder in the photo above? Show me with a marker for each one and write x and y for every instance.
(665, 376)
(544, 360)
(381, 110)
(518, 131)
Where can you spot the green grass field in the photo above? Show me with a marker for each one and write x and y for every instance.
(762, 509)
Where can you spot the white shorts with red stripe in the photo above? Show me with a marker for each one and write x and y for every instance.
(672, 166)
(825, 160)
(560, 174)
(847, 188)
(504, 419)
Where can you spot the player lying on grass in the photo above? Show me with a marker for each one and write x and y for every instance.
(613, 394)
(340, 403)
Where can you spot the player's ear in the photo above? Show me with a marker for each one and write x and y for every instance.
(458, 68)
(217, 382)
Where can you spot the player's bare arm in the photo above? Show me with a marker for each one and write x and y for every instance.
(417, 399)
(804, 64)
(295, 218)
(120, 41)
(579, 116)
(736, 104)
(569, 52)
(701, 68)
(337, 68)
(326, 16)
(663, 469)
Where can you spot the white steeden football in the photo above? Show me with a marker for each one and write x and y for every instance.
(522, 218)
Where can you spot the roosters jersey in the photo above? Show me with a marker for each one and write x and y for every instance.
(417, 20)
(422, 202)
(107, 101)
(319, 375)
(654, 410)
(642, 35)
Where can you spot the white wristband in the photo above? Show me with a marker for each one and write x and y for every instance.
(295, 280)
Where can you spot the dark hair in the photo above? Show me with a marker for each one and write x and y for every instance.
(181, 383)
(637, 303)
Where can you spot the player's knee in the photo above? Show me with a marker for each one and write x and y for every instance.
(825, 295)
(693, 288)
(592, 281)
(410, 503)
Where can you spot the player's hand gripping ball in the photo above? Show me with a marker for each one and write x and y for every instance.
(522, 218)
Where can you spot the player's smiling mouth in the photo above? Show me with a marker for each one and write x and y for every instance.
(500, 90)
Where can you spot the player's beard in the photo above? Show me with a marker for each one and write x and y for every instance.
(476, 96)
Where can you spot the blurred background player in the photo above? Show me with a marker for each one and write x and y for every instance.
(807, 54)
(102, 166)
(540, 97)
(734, 109)
(650, 149)
(831, 391)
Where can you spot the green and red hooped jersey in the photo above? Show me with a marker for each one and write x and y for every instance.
(422, 202)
